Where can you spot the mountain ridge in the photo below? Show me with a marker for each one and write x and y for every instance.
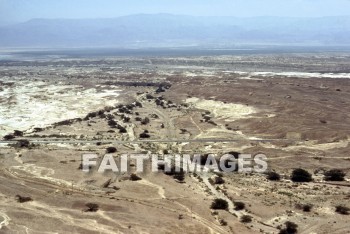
(176, 30)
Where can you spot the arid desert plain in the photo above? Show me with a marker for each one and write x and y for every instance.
(293, 108)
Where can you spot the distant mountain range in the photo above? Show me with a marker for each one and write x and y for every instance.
(164, 30)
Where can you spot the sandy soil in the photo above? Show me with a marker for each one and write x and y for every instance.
(294, 109)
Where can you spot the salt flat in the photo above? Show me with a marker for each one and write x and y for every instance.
(26, 104)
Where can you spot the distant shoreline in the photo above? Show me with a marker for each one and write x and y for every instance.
(23, 53)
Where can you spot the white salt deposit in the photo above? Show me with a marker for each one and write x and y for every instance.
(29, 104)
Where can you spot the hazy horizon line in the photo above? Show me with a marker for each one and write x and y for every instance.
(178, 15)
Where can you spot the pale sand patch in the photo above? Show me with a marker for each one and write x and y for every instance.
(29, 104)
(303, 74)
(40, 173)
(326, 210)
(4, 220)
(309, 145)
(221, 110)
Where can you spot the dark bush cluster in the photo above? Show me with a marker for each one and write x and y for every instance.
(341, 209)
(301, 175)
(246, 219)
(219, 204)
(145, 134)
(304, 207)
(23, 143)
(177, 173)
(334, 175)
(145, 121)
(90, 115)
(134, 177)
(22, 199)
(111, 150)
(67, 122)
(18, 133)
(138, 104)
(149, 96)
(274, 176)
(218, 180)
(180, 176)
(125, 118)
(9, 137)
(290, 228)
(239, 205)
(91, 207)
(112, 123)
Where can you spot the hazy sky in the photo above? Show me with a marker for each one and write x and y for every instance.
(22, 10)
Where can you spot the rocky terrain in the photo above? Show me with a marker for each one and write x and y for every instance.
(291, 107)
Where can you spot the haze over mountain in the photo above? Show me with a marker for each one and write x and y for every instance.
(158, 30)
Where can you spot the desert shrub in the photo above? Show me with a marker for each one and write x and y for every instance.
(246, 219)
(183, 131)
(334, 175)
(138, 104)
(130, 106)
(274, 176)
(18, 133)
(218, 180)
(290, 228)
(160, 89)
(111, 150)
(22, 199)
(223, 222)
(301, 175)
(161, 166)
(323, 121)
(307, 207)
(91, 207)
(38, 129)
(65, 122)
(341, 209)
(122, 130)
(239, 205)
(145, 121)
(180, 176)
(212, 122)
(304, 207)
(23, 144)
(134, 177)
(149, 96)
(219, 204)
(90, 115)
(126, 119)
(112, 123)
(145, 135)
(9, 137)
